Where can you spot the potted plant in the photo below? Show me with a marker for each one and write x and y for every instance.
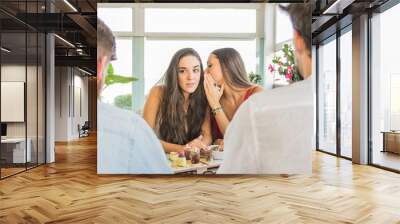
(121, 101)
(284, 64)
(255, 78)
(113, 78)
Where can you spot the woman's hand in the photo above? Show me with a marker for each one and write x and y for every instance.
(220, 143)
(198, 143)
(213, 92)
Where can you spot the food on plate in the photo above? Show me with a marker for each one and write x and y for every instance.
(181, 161)
(173, 156)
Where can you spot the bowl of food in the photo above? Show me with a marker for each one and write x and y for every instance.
(217, 152)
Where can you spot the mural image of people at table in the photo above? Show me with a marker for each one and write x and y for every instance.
(212, 118)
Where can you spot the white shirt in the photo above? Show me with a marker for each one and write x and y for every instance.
(272, 133)
(126, 144)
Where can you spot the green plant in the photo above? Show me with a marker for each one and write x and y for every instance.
(113, 78)
(284, 63)
(123, 101)
(255, 78)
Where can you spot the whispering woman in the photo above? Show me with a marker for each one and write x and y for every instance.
(177, 110)
(227, 86)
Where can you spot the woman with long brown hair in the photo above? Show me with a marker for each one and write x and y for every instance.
(227, 86)
(178, 109)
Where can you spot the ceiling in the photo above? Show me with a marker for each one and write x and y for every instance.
(72, 20)
(332, 15)
(200, 1)
(75, 23)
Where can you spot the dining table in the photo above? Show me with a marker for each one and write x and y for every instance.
(203, 167)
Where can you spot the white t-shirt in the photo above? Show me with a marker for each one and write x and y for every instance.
(126, 144)
(272, 133)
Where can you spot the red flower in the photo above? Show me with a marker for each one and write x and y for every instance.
(289, 76)
(271, 68)
(290, 69)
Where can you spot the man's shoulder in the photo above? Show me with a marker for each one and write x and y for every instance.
(126, 120)
(293, 94)
(113, 111)
(127, 144)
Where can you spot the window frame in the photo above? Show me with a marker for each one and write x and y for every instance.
(334, 37)
(138, 35)
(371, 14)
(368, 35)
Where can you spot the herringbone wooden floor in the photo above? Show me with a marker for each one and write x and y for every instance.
(70, 191)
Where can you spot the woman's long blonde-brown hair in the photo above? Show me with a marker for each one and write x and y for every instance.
(233, 69)
(174, 125)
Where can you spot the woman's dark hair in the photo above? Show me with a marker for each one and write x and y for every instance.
(232, 66)
(174, 125)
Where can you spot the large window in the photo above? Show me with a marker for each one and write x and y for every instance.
(118, 19)
(395, 101)
(327, 96)
(283, 35)
(385, 87)
(196, 20)
(122, 66)
(346, 94)
(151, 33)
(22, 77)
(284, 27)
(160, 52)
(218, 27)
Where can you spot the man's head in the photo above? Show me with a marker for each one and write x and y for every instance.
(300, 15)
(105, 51)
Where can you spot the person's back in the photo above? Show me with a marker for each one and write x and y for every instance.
(126, 144)
(273, 131)
(278, 136)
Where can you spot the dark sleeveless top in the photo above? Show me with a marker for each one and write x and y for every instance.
(216, 133)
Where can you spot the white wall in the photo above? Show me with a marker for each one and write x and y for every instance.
(61, 103)
(69, 85)
(16, 73)
(33, 127)
(79, 117)
(12, 73)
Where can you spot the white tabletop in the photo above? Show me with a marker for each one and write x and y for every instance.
(13, 140)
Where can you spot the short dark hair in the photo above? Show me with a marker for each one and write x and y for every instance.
(105, 40)
(300, 15)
